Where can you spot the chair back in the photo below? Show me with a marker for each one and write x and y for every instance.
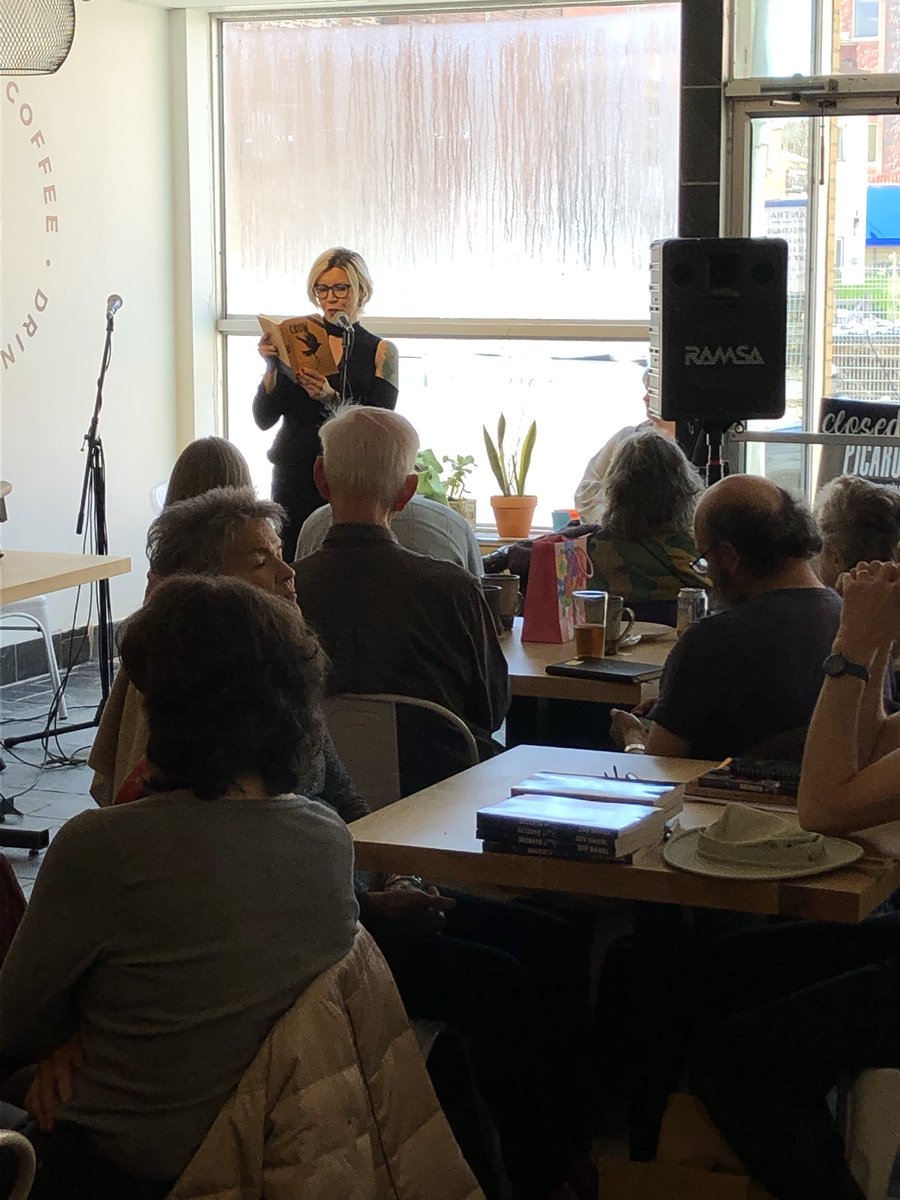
(364, 730)
(20, 1149)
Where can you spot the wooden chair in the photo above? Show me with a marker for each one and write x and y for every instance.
(364, 730)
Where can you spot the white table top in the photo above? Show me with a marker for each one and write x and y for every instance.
(432, 833)
(528, 677)
(27, 573)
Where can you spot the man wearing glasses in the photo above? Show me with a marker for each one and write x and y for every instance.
(746, 679)
(339, 284)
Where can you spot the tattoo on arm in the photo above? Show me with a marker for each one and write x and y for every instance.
(387, 363)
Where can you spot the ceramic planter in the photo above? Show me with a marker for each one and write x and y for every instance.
(513, 515)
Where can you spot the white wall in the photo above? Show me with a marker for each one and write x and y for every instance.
(105, 121)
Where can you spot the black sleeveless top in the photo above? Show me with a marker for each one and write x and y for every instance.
(297, 441)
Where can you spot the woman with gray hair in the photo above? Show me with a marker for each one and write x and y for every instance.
(225, 532)
(339, 285)
(645, 547)
(859, 522)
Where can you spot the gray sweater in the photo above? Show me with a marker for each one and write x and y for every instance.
(172, 933)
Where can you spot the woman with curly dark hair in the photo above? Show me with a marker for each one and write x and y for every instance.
(170, 935)
(645, 546)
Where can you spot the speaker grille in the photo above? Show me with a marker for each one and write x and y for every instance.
(35, 35)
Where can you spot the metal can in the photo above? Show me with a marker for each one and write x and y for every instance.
(692, 605)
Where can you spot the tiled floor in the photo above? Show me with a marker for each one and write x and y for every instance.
(47, 793)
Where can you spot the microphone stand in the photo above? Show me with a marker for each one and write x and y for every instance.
(348, 334)
(95, 482)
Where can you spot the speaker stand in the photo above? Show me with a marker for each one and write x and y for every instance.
(715, 468)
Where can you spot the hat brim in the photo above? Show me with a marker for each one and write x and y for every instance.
(681, 852)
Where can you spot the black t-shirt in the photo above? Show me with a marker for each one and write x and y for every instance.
(748, 673)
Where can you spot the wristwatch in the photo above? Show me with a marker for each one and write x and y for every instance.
(835, 665)
(635, 748)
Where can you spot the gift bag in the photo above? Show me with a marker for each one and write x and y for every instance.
(559, 566)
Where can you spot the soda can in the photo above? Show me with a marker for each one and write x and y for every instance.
(692, 605)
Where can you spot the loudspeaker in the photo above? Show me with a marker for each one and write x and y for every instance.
(718, 329)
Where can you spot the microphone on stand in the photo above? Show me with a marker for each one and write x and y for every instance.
(113, 304)
(348, 333)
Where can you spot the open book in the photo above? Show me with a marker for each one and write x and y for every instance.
(302, 344)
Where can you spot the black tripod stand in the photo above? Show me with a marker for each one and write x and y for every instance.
(93, 497)
(715, 468)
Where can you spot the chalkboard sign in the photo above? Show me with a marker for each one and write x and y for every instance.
(878, 464)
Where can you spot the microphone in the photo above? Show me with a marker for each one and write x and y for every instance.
(113, 304)
(342, 321)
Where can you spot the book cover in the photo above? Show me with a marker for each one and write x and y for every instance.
(301, 342)
(615, 820)
(724, 781)
(606, 668)
(764, 783)
(598, 787)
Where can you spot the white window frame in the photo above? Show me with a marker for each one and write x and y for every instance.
(865, 37)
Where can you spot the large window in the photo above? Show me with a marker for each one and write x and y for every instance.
(503, 173)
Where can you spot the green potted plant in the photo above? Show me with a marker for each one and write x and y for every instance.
(513, 509)
(429, 484)
(455, 486)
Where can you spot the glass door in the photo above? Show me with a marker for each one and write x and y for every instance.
(830, 186)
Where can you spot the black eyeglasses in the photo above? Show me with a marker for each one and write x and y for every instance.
(340, 290)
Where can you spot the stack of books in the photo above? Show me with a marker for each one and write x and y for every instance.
(566, 827)
(764, 783)
(666, 796)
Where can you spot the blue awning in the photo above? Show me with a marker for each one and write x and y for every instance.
(883, 215)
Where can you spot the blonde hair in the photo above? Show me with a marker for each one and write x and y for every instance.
(368, 453)
(353, 264)
(207, 463)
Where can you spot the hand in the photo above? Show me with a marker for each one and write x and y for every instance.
(53, 1083)
(266, 347)
(625, 727)
(870, 617)
(644, 708)
(316, 385)
(426, 911)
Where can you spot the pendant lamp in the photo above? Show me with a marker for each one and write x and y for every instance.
(35, 35)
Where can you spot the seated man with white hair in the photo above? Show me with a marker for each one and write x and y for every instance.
(423, 525)
(392, 620)
(512, 979)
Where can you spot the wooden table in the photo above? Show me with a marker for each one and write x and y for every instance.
(433, 834)
(27, 573)
(528, 677)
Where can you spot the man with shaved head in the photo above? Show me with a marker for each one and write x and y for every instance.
(749, 674)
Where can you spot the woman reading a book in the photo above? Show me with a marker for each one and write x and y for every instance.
(339, 284)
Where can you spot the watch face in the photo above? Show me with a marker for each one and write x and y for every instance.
(836, 664)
